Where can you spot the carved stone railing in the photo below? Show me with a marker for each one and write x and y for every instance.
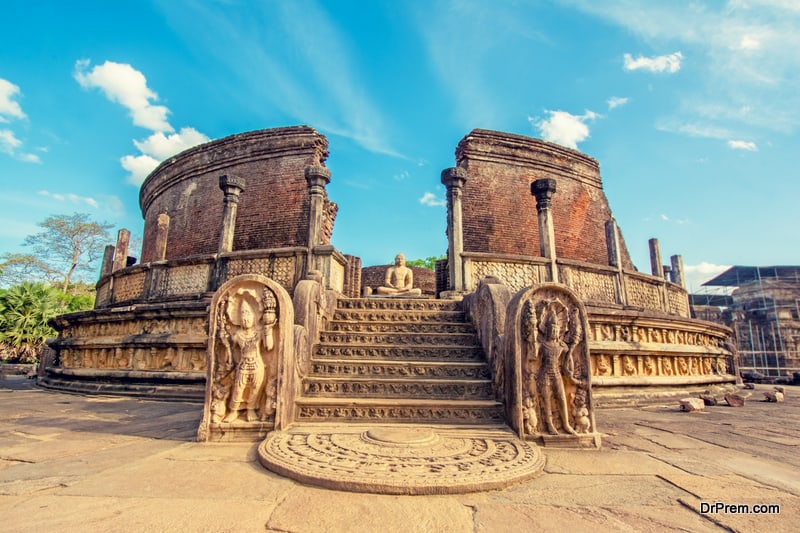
(197, 276)
(594, 284)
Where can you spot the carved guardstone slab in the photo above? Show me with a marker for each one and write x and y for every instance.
(251, 377)
(548, 370)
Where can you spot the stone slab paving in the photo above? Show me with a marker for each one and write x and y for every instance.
(82, 463)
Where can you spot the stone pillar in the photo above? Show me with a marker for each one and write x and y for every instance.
(454, 179)
(232, 186)
(108, 261)
(655, 259)
(161, 237)
(677, 274)
(615, 258)
(543, 190)
(121, 251)
(317, 178)
(667, 272)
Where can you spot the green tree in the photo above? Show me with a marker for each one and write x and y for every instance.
(24, 313)
(428, 262)
(68, 246)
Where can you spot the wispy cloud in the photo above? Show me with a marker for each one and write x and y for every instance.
(616, 101)
(749, 60)
(748, 146)
(8, 107)
(564, 128)
(306, 67)
(10, 110)
(123, 84)
(70, 197)
(431, 200)
(670, 63)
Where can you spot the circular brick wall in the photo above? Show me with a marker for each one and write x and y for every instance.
(272, 211)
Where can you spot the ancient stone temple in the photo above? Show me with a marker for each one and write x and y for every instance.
(426, 384)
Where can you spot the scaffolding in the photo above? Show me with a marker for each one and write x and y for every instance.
(763, 309)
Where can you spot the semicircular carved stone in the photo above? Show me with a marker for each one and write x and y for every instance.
(548, 371)
(251, 377)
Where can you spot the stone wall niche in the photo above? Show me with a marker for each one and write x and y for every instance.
(548, 371)
(251, 377)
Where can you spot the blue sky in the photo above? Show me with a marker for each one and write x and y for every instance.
(691, 108)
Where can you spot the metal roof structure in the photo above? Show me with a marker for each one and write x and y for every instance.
(739, 275)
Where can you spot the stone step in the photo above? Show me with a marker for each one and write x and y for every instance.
(405, 339)
(398, 411)
(353, 326)
(367, 354)
(394, 369)
(404, 304)
(387, 315)
(409, 388)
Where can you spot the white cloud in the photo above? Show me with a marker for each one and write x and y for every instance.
(698, 274)
(8, 107)
(402, 176)
(161, 146)
(616, 101)
(71, 197)
(123, 84)
(9, 141)
(139, 166)
(749, 42)
(694, 129)
(667, 63)
(743, 145)
(564, 128)
(431, 200)
(664, 217)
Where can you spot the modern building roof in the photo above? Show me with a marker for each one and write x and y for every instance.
(739, 275)
(717, 300)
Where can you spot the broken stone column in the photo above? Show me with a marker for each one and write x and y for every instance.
(677, 274)
(655, 259)
(232, 187)
(317, 178)
(667, 272)
(454, 179)
(543, 190)
(108, 261)
(161, 237)
(615, 257)
(121, 250)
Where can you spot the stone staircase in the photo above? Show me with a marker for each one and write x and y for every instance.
(399, 360)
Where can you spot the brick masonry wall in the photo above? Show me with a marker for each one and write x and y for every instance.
(272, 211)
(499, 212)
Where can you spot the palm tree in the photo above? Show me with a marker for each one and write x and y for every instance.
(24, 312)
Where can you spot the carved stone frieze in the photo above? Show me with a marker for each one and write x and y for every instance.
(184, 279)
(412, 339)
(129, 286)
(513, 275)
(383, 389)
(404, 316)
(412, 414)
(466, 353)
(643, 294)
(670, 365)
(615, 332)
(417, 370)
(590, 286)
(398, 327)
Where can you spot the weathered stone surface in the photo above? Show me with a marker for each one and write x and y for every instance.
(708, 399)
(692, 404)
(735, 399)
(773, 396)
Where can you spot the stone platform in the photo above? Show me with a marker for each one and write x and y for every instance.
(406, 459)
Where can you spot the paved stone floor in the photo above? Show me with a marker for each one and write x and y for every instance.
(82, 463)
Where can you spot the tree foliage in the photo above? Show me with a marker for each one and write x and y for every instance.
(428, 262)
(68, 246)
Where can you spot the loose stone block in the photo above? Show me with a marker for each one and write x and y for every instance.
(735, 399)
(773, 396)
(708, 399)
(692, 404)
